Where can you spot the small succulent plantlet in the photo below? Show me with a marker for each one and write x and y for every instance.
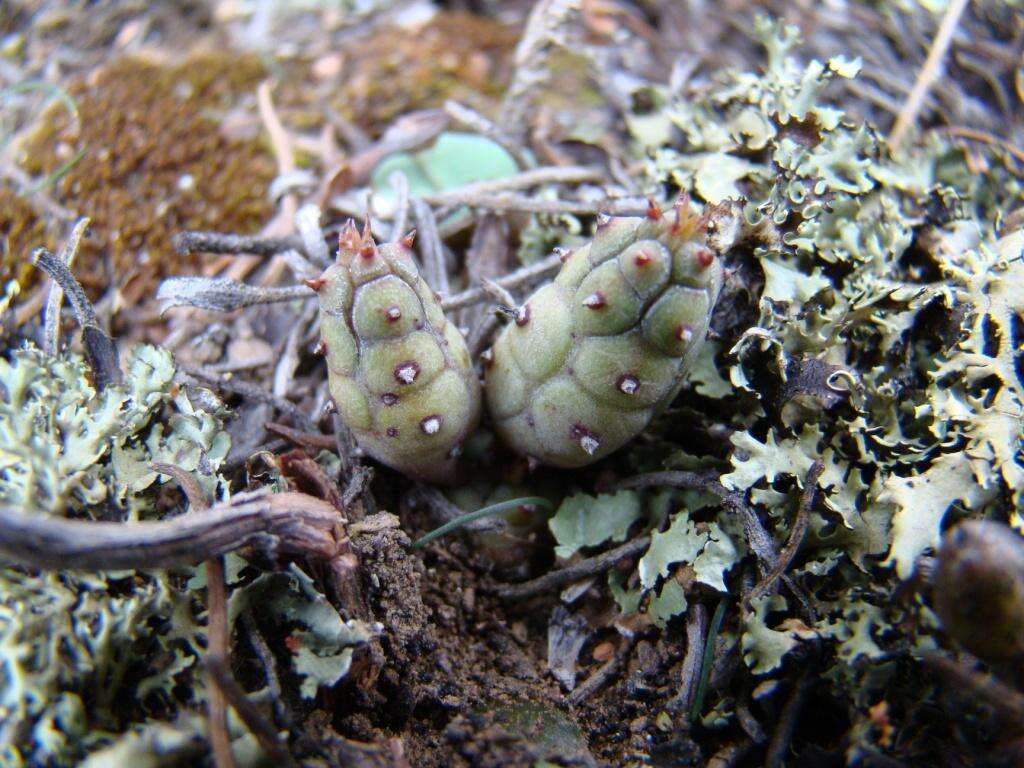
(399, 373)
(592, 356)
(979, 589)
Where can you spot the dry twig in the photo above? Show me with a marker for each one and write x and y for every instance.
(286, 522)
(217, 621)
(575, 572)
(796, 535)
(929, 73)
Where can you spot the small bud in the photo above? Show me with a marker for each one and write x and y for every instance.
(393, 314)
(406, 373)
(431, 425)
(408, 240)
(315, 283)
(653, 210)
(642, 259)
(705, 257)
(522, 315)
(596, 300)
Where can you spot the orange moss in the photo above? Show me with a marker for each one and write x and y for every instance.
(155, 161)
(393, 71)
(22, 230)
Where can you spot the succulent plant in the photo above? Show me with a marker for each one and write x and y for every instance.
(593, 355)
(399, 373)
(979, 588)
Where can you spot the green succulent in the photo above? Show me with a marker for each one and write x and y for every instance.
(399, 372)
(592, 356)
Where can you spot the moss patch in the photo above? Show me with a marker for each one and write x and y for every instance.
(22, 230)
(154, 161)
(453, 56)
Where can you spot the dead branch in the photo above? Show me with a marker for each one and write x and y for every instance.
(288, 522)
(796, 536)
(573, 573)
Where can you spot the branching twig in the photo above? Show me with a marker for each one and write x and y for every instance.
(251, 391)
(796, 536)
(434, 267)
(305, 439)
(696, 629)
(471, 296)
(291, 522)
(100, 350)
(524, 204)
(555, 174)
(573, 573)
(51, 332)
(222, 294)
(187, 243)
(253, 719)
(604, 674)
(790, 715)
(929, 73)
(217, 621)
(480, 124)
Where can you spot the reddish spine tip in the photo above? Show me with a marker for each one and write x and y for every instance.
(603, 220)
(408, 240)
(316, 283)
(705, 257)
(368, 251)
(321, 348)
(596, 300)
(562, 254)
(642, 259)
(522, 316)
(653, 210)
(393, 314)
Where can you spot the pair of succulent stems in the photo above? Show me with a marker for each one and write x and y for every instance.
(588, 360)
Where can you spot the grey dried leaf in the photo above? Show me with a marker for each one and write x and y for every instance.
(222, 294)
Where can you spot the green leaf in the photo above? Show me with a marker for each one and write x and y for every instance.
(586, 521)
(679, 543)
(669, 602)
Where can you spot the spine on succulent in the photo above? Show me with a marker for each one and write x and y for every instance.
(592, 356)
(399, 373)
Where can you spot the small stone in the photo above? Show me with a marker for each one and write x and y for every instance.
(603, 651)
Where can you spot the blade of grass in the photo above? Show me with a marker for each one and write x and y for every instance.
(709, 652)
(469, 517)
